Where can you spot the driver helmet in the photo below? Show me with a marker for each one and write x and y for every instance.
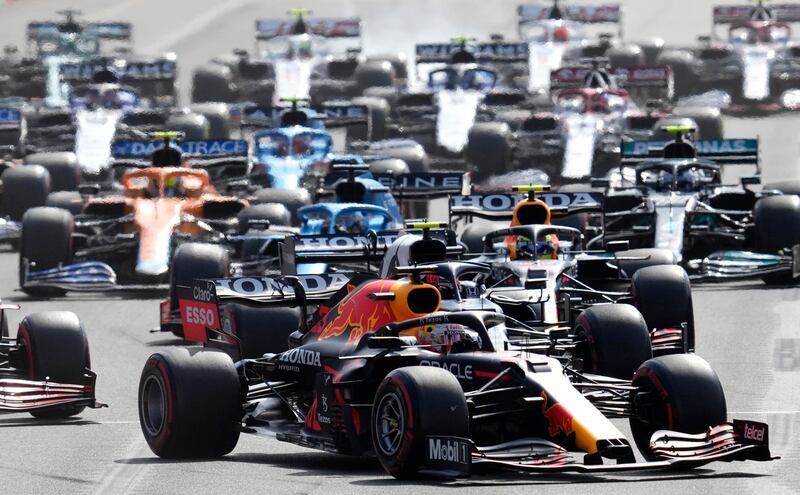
(151, 191)
(688, 180)
(546, 249)
(448, 337)
(173, 186)
(301, 145)
(109, 99)
(561, 34)
(353, 223)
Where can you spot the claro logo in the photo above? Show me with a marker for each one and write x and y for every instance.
(202, 294)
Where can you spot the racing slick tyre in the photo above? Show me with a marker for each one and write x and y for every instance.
(218, 117)
(412, 403)
(292, 199)
(373, 73)
(323, 90)
(45, 242)
(24, 187)
(213, 83)
(63, 167)
(193, 125)
(190, 403)
(663, 295)
(383, 92)
(625, 56)
(195, 260)
(414, 155)
(57, 351)
(274, 213)
(679, 392)
(66, 200)
(263, 330)
(473, 235)
(399, 63)
(777, 228)
(648, 257)
(394, 166)
(614, 340)
(682, 64)
(489, 148)
(785, 186)
(707, 120)
(378, 115)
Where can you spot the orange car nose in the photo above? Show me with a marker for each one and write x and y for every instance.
(156, 220)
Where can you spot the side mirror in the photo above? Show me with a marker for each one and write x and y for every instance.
(390, 342)
(751, 180)
(295, 339)
(617, 246)
(704, 39)
(600, 182)
(536, 279)
(89, 189)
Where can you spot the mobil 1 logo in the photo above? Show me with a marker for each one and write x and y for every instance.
(451, 454)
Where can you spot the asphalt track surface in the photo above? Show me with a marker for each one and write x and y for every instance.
(739, 326)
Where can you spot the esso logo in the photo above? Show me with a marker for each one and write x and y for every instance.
(201, 316)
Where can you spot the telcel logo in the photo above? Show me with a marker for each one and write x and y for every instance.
(754, 433)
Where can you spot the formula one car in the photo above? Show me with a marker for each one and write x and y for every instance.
(125, 241)
(465, 87)
(74, 140)
(313, 58)
(61, 52)
(563, 35)
(363, 376)
(671, 196)
(757, 67)
(350, 233)
(593, 109)
(543, 272)
(46, 367)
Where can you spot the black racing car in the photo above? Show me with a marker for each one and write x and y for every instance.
(378, 370)
(670, 195)
(44, 370)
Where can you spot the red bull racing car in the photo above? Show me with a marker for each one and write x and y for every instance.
(363, 376)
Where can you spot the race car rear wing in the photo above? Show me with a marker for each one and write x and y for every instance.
(500, 206)
(721, 151)
(488, 52)
(657, 76)
(731, 14)
(195, 148)
(152, 70)
(411, 185)
(199, 304)
(328, 27)
(588, 14)
(364, 250)
(333, 114)
(116, 31)
(10, 119)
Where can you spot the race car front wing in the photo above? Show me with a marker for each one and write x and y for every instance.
(742, 265)
(17, 395)
(736, 441)
(84, 276)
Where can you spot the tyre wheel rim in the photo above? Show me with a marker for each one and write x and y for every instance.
(390, 424)
(154, 406)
